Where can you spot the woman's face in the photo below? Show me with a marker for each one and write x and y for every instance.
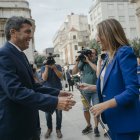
(101, 42)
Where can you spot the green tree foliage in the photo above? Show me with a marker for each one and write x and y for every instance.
(93, 44)
(136, 45)
(39, 60)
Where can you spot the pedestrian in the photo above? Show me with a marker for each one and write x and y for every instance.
(52, 75)
(36, 79)
(20, 96)
(87, 67)
(63, 79)
(69, 79)
(117, 84)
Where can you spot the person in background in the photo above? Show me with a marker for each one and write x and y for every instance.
(87, 68)
(69, 79)
(117, 84)
(36, 79)
(52, 75)
(20, 96)
(63, 79)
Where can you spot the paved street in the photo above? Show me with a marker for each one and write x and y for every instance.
(73, 123)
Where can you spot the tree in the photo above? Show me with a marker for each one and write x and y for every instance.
(136, 45)
(93, 44)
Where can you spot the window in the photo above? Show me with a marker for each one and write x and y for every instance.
(74, 36)
(133, 30)
(111, 17)
(91, 17)
(76, 47)
(121, 18)
(120, 6)
(133, 33)
(131, 5)
(110, 6)
(131, 18)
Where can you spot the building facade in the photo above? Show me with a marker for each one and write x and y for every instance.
(137, 11)
(10, 8)
(71, 37)
(122, 10)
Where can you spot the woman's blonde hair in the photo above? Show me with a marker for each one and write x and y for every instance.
(111, 35)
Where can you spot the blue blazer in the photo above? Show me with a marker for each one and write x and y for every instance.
(121, 83)
(20, 97)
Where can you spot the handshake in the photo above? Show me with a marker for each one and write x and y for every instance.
(65, 101)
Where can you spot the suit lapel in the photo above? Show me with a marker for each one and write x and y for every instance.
(108, 71)
(98, 81)
(18, 54)
(26, 62)
(103, 66)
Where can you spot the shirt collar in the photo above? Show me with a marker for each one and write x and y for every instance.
(15, 46)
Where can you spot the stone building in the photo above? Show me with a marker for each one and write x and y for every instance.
(10, 8)
(137, 11)
(122, 10)
(73, 34)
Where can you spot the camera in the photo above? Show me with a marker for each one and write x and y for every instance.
(83, 53)
(50, 59)
(103, 56)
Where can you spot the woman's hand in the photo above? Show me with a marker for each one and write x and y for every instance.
(84, 86)
(97, 109)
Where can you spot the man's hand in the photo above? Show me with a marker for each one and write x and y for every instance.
(52, 66)
(65, 103)
(65, 94)
(87, 59)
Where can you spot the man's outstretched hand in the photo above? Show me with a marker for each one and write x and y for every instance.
(65, 94)
(65, 101)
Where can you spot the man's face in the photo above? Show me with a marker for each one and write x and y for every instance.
(93, 54)
(89, 56)
(22, 37)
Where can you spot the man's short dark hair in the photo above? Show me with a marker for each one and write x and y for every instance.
(15, 23)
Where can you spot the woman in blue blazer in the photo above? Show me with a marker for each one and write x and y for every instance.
(117, 85)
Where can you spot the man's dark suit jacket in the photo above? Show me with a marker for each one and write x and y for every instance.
(20, 97)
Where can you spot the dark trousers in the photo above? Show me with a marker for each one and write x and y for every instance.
(35, 137)
(58, 119)
(70, 85)
(38, 125)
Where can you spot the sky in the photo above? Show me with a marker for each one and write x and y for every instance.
(49, 15)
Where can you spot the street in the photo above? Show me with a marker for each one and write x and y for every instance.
(73, 123)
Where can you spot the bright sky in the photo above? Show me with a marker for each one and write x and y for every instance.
(49, 15)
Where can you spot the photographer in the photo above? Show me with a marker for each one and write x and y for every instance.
(86, 64)
(51, 75)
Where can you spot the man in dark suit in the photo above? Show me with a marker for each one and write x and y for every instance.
(20, 97)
